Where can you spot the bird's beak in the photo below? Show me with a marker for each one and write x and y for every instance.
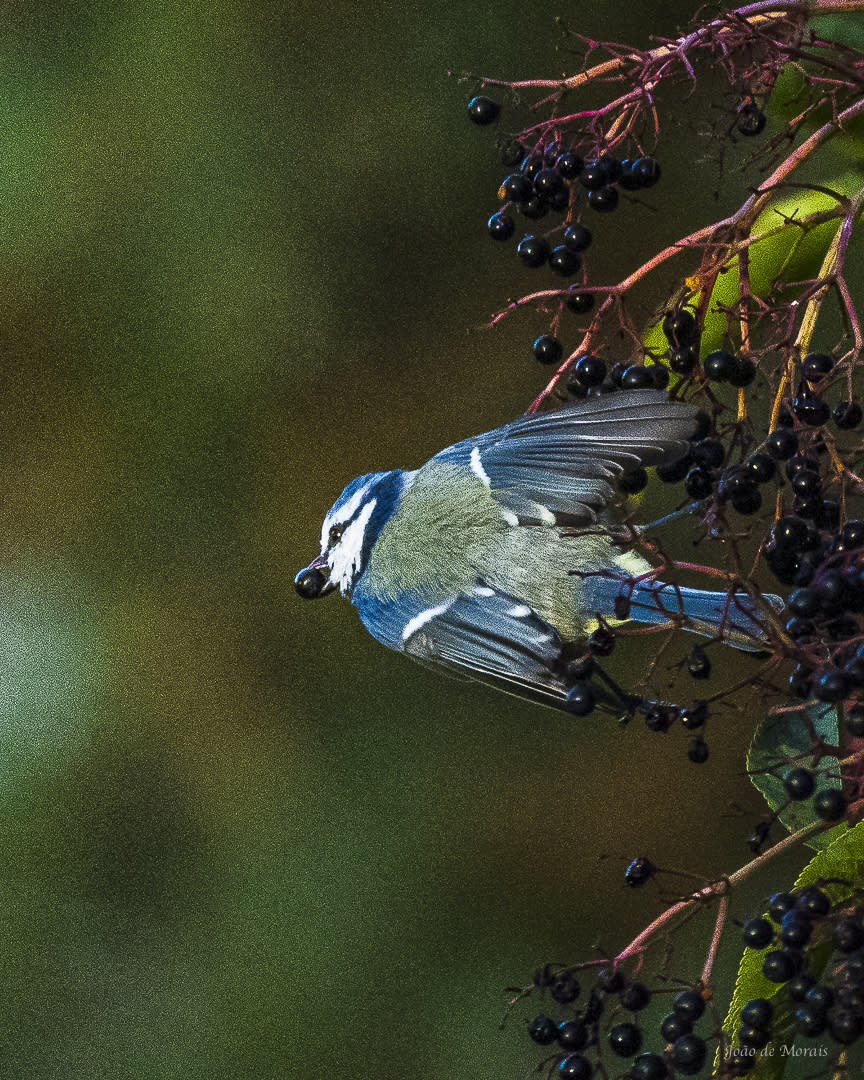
(314, 581)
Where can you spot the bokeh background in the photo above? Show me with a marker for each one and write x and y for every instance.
(243, 260)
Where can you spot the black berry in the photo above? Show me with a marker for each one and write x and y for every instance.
(483, 111)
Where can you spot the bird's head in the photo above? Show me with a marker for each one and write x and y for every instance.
(349, 532)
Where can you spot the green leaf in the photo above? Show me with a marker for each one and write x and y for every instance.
(843, 860)
(785, 739)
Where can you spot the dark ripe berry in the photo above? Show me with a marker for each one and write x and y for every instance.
(754, 1036)
(735, 483)
(550, 153)
(547, 181)
(648, 1067)
(310, 583)
(593, 176)
(516, 188)
(801, 630)
(758, 837)
(564, 261)
(743, 373)
(625, 1040)
(698, 483)
(675, 472)
(782, 444)
(789, 532)
(610, 980)
(616, 374)
(631, 483)
(848, 935)
(500, 227)
(799, 987)
(799, 784)
(639, 872)
(813, 902)
(751, 119)
(778, 966)
(680, 327)
(635, 996)
(830, 686)
(564, 988)
(830, 591)
(761, 467)
(828, 515)
(799, 462)
(603, 199)
(548, 349)
(594, 1008)
(688, 1054)
(806, 482)
(690, 1004)
(660, 375)
(809, 407)
(581, 699)
(572, 1034)
(801, 681)
(853, 534)
(719, 365)
(612, 166)
(483, 111)
(543, 1030)
(694, 716)
(532, 165)
(636, 377)
(576, 1067)
(805, 507)
(820, 997)
(795, 930)
(674, 1026)
(577, 237)
(579, 302)
(815, 365)
(810, 1021)
(853, 972)
(647, 171)
(589, 370)
(708, 453)
(847, 415)
(783, 563)
(683, 359)
(533, 251)
(757, 933)
(830, 804)
(698, 665)
(854, 721)
(659, 718)
(703, 426)
(628, 179)
(601, 641)
(569, 164)
(512, 153)
(845, 1026)
(758, 1012)
(803, 602)
(535, 207)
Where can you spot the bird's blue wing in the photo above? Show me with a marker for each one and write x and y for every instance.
(485, 635)
(565, 462)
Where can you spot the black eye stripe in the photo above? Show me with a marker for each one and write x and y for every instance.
(335, 534)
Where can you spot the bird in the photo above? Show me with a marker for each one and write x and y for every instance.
(497, 558)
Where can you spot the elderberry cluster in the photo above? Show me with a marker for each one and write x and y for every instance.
(806, 929)
(582, 1040)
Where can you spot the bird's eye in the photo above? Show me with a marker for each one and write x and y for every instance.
(336, 534)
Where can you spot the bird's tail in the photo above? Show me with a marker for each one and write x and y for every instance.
(734, 617)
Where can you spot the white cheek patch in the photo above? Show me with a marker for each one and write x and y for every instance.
(413, 625)
(344, 559)
(343, 513)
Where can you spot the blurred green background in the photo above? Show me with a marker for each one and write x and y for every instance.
(243, 260)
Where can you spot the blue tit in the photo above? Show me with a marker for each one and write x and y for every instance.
(495, 558)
